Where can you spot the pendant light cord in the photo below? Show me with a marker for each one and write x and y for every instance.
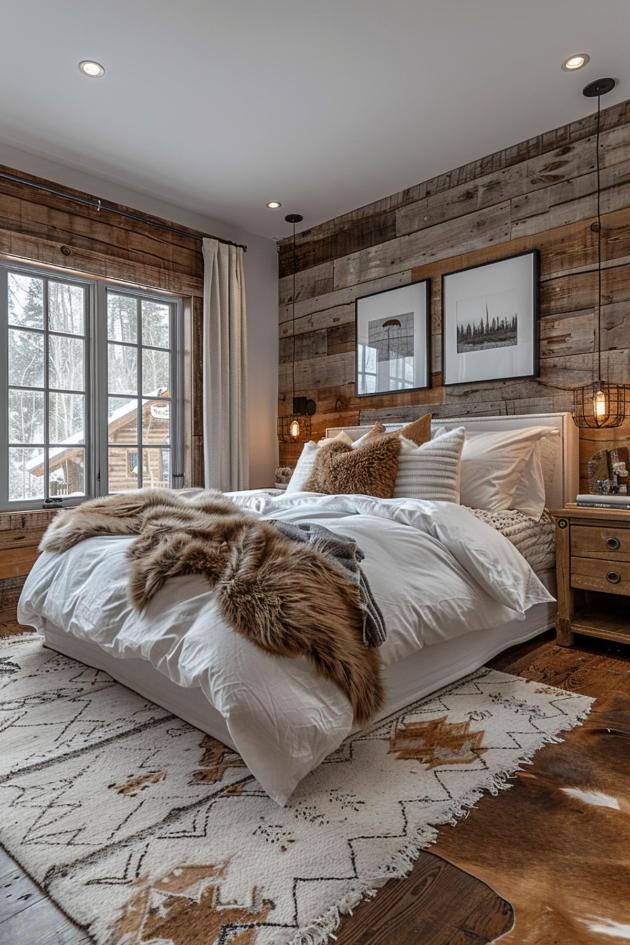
(293, 315)
(599, 247)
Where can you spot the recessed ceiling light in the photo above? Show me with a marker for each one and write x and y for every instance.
(92, 69)
(577, 61)
(274, 204)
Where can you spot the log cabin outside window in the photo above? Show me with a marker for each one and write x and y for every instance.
(90, 375)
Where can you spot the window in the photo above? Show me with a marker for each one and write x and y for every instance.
(89, 382)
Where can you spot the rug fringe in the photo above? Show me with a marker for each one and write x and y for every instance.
(322, 929)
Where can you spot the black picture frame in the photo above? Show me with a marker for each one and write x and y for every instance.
(426, 335)
(534, 254)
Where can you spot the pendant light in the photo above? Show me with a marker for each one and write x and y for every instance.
(296, 426)
(599, 404)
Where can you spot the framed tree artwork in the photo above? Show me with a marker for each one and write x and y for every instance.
(393, 340)
(490, 321)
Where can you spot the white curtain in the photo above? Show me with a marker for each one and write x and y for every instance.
(226, 460)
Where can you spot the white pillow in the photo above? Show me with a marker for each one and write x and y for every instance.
(537, 476)
(432, 470)
(304, 465)
(492, 467)
(529, 494)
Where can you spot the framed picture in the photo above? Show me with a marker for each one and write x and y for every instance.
(490, 321)
(393, 340)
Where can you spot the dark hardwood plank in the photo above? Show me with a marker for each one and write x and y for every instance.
(17, 891)
(41, 924)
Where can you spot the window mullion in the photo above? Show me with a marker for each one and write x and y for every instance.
(46, 392)
(140, 411)
(4, 388)
(101, 391)
(177, 402)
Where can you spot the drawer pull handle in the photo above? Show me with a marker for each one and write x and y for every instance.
(614, 577)
(613, 544)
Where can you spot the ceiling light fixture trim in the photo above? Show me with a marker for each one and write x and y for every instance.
(575, 62)
(91, 68)
(273, 204)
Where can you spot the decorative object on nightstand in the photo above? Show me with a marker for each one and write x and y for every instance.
(283, 476)
(608, 472)
(593, 573)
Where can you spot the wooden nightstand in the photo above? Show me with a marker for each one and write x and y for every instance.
(593, 573)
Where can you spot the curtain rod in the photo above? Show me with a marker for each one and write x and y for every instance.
(97, 204)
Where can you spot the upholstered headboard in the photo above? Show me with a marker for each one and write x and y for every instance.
(564, 485)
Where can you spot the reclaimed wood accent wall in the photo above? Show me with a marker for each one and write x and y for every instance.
(45, 229)
(540, 193)
(20, 534)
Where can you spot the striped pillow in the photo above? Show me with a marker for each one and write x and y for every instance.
(431, 471)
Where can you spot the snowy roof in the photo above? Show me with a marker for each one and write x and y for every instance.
(36, 466)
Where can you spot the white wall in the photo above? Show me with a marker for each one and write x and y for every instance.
(261, 276)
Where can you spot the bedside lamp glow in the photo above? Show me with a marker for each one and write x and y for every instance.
(600, 407)
(294, 429)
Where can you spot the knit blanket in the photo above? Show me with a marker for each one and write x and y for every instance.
(346, 555)
(283, 593)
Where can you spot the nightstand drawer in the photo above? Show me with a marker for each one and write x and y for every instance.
(593, 574)
(611, 542)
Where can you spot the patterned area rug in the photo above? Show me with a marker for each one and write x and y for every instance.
(144, 830)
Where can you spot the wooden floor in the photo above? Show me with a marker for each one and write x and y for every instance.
(437, 904)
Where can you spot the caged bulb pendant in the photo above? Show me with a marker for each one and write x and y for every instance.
(599, 404)
(296, 427)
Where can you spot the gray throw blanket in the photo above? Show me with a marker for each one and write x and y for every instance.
(346, 555)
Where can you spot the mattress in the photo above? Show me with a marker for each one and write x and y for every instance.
(406, 681)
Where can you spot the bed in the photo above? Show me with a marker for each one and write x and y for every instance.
(473, 596)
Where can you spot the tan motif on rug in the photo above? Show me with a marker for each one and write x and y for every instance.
(184, 908)
(557, 846)
(215, 760)
(437, 742)
(138, 782)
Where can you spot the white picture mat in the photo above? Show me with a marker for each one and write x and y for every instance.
(392, 304)
(513, 276)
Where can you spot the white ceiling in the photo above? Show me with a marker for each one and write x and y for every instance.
(221, 105)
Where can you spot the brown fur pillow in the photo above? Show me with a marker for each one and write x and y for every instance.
(370, 469)
(418, 431)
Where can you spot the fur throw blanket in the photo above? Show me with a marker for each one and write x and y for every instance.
(285, 597)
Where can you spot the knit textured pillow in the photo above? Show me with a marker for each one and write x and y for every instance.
(418, 431)
(369, 469)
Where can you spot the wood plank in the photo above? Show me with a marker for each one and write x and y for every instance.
(44, 924)
(488, 226)
(85, 262)
(16, 562)
(315, 281)
(17, 890)
(338, 297)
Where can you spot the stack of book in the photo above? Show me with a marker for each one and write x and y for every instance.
(604, 501)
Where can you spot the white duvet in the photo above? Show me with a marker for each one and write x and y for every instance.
(435, 570)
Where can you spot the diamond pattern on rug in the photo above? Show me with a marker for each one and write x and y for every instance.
(144, 829)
